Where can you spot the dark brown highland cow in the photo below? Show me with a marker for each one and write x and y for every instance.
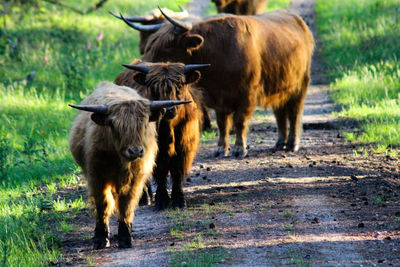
(241, 7)
(114, 142)
(263, 59)
(179, 130)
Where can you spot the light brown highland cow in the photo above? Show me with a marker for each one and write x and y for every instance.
(115, 143)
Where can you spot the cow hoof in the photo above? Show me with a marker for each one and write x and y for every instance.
(239, 152)
(220, 152)
(162, 201)
(145, 200)
(279, 146)
(101, 242)
(292, 147)
(178, 202)
(125, 243)
(124, 235)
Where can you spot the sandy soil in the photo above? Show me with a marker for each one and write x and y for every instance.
(333, 203)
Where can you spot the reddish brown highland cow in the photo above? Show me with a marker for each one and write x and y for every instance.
(263, 59)
(241, 7)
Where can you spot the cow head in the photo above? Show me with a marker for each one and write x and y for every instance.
(152, 22)
(129, 123)
(167, 81)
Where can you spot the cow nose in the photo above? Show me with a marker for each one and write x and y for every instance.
(134, 153)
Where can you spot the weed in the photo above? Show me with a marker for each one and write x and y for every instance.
(198, 257)
(65, 227)
(287, 214)
(176, 233)
(296, 261)
(197, 242)
(213, 233)
(288, 227)
(208, 136)
(230, 213)
(51, 188)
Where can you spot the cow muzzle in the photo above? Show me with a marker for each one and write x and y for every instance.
(133, 153)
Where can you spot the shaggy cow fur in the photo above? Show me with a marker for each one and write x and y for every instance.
(101, 145)
(179, 134)
(241, 7)
(263, 59)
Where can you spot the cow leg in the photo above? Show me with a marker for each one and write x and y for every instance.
(240, 119)
(295, 113)
(281, 121)
(177, 175)
(224, 125)
(128, 198)
(206, 118)
(160, 175)
(104, 203)
(147, 194)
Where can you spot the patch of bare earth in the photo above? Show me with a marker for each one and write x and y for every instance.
(333, 203)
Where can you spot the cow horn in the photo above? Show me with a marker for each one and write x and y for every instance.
(192, 67)
(156, 105)
(142, 19)
(182, 9)
(183, 27)
(102, 109)
(140, 68)
(143, 28)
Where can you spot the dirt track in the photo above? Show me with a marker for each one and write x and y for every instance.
(326, 205)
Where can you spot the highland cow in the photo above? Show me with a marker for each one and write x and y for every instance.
(115, 143)
(241, 7)
(179, 130)
(263, 59)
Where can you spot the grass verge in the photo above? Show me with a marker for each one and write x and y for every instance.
(360, 47)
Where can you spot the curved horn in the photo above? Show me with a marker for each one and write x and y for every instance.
(102, 109)
(183, 27)
(156, 105)
(142, 19)
(181, 8)
(140, 68)
(142, 28)
(192, 67)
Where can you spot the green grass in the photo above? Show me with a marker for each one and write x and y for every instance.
(360, 47)
(49, 57)
(198, 257)
(277, 4)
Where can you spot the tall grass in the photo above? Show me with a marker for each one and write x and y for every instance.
(50, 56)
(360, 47)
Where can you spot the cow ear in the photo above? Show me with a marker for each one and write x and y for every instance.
(100, 119)
(140, 78)
(193, 41)
(192, 76)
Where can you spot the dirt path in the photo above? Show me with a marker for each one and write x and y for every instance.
(333, 203)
